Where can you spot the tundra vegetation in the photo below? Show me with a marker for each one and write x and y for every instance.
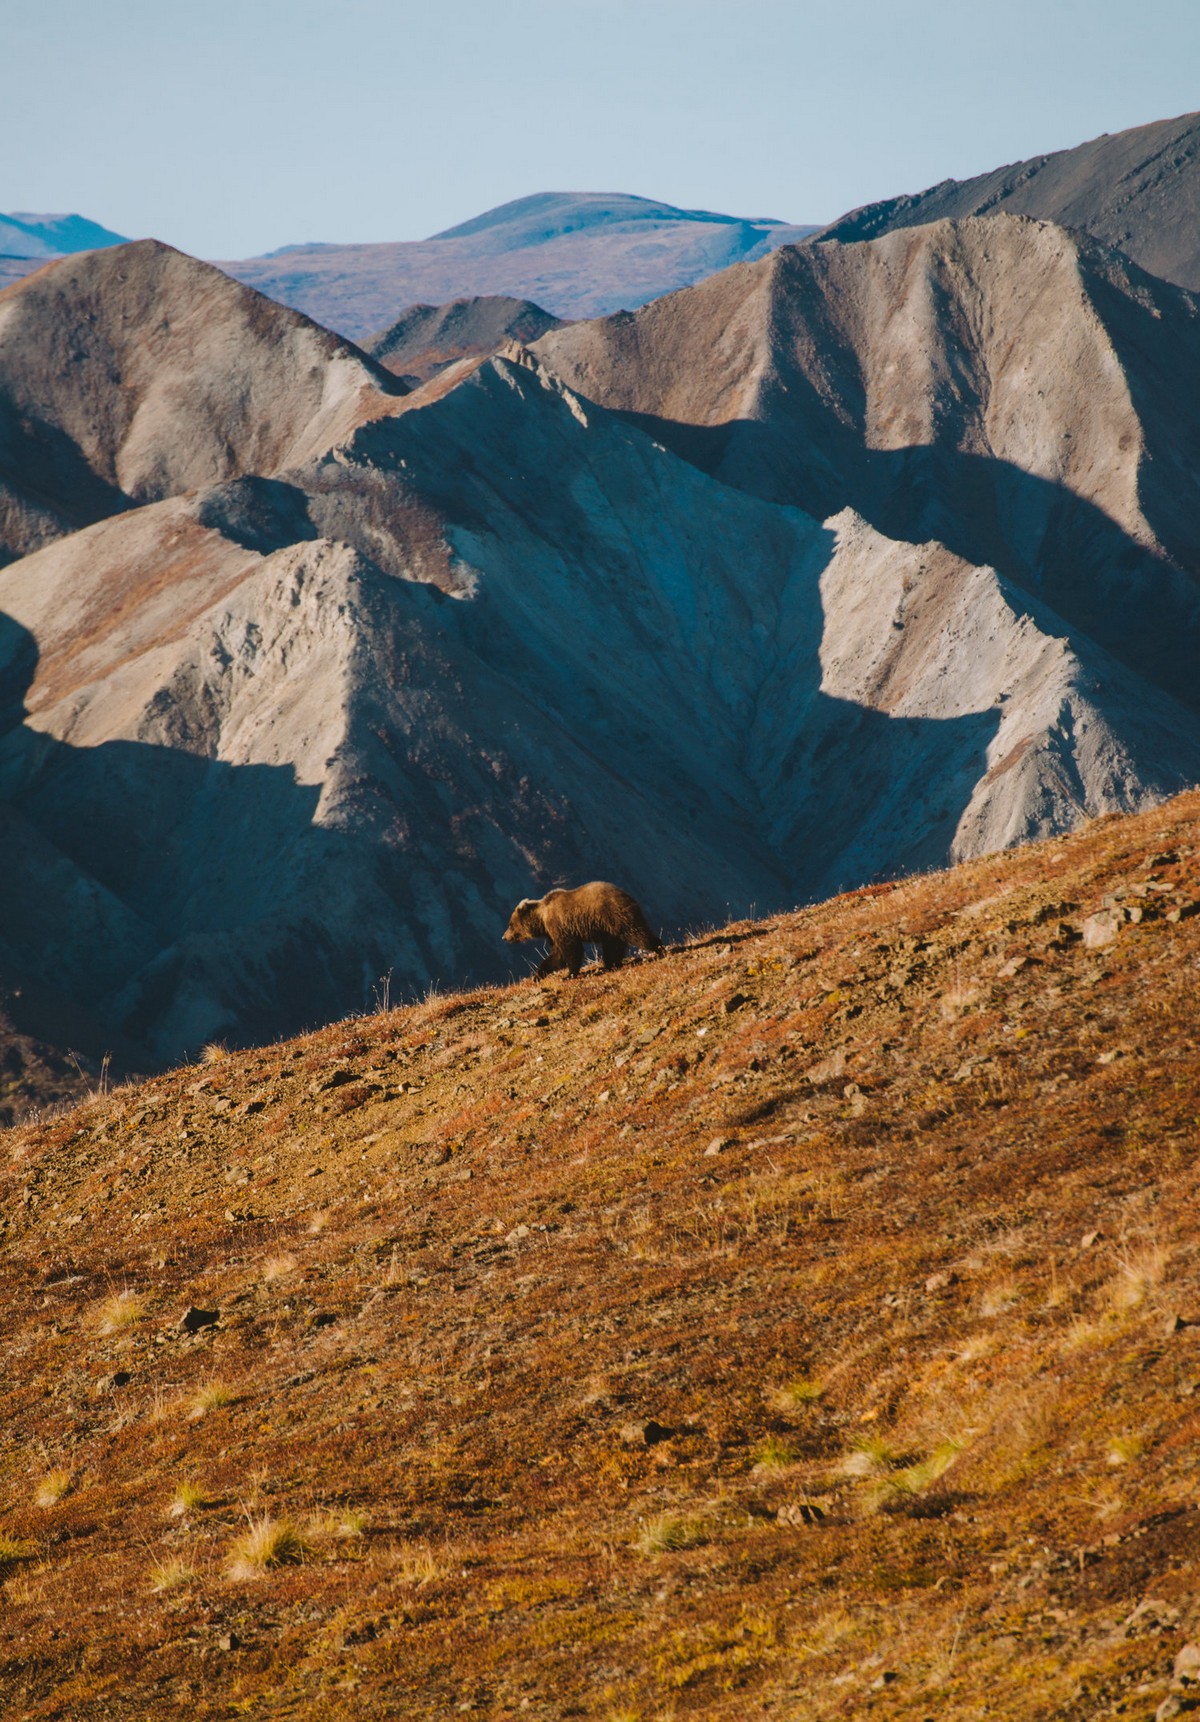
(745, 1332)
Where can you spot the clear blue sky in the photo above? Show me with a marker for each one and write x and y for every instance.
(229, 127)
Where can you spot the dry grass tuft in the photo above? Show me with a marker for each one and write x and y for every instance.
(53, 1486)
(266, 1544)
(337, 1527)
(214, 1052)
(772, 1457)
(420, 1566)
(667, 1533)
(1124, 1449)
(796, 1395)
(275, 1267)
(210, 1397)
(185, 1500)
(13, 1550)
(118, 1312)
(1139, 1273)
(171, 1575)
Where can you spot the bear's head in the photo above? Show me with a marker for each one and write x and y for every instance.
(525, 922)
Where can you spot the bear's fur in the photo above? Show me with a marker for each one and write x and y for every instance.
(595, 914)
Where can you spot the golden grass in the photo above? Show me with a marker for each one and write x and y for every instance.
(419, 1566)
(772, 1457)
(342, 1527)
(13, 1550)
(266, 1543)
(118, 1312)
(186, 1499)
(52, 1488)
(171, 1575)
(667, 1533)
(210, 1397)
(796, 1395)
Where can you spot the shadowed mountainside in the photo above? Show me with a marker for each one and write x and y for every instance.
(1020, 394)
(1138, 190)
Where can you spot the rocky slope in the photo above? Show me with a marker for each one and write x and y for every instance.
(580, 254)
(131, 374)
(803, 1324)
(1021, 394)
(428, 339)
(343, 672)
(1138, 190)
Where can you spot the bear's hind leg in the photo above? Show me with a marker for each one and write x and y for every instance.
(612, 952)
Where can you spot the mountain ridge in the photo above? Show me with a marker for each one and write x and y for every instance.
(1138, 190)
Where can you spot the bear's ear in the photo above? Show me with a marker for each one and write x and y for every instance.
(526, 903)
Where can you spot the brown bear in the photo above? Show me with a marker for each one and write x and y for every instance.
(595, 914)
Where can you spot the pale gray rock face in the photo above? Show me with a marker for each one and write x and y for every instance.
(321, 698)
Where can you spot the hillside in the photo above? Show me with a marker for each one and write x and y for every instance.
(1138, 190)
(803, 1323)
(578, 254)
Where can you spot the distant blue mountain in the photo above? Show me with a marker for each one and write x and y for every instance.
(25, 235)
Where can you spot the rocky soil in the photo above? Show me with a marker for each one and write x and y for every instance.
(804, 1324)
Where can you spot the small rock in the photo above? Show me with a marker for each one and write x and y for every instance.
(335, 1079)
(939, 1282)
(800, 1513)
(1187, 1665)
(1014, 967)
(229, 1641)
(1089, 1238)
(717, 1146)
(647, 1433)
(1101, 929)
(192, 1320)
(1170, 1706)
(517, 1233)
(1176, 1324)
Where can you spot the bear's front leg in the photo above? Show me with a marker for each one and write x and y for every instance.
(570, 955)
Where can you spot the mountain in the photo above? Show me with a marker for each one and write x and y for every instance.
(132, 374)
(334, 673)
(430, 338)
(579, 254)
(46, 236)
(1138, 190)
(801, 1325)
(1018, 393)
